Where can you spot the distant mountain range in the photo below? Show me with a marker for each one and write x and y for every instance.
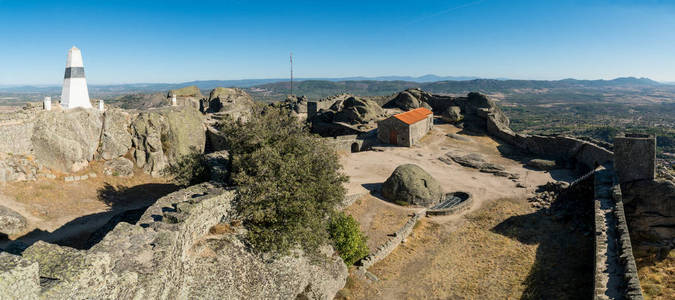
(426, 80)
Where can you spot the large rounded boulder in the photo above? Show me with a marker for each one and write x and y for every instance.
(411, 184)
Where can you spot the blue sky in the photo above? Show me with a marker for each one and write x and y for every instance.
(176, 41)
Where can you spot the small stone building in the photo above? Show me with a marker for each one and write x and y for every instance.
(405, 129)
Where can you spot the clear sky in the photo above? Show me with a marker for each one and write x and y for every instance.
(176, 41)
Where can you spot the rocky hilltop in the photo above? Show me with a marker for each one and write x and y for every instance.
(175, 251)
(41, 143)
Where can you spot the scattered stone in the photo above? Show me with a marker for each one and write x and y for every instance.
(458, 137)
(11, 222)
(520, 185)
(92, 175)
(411, 184)
(371, 276)
(541, 164)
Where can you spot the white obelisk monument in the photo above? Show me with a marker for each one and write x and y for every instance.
(74, 93)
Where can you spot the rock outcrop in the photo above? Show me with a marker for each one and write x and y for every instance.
(411, 184)
(410, 99)
(67, 140)
(171, 253)
(116, 139)
(188, 91)
(233, 102)
(188, 96)
(650, 208)
(119, 166)
(350, 116)
(18, 277)
(11, 222)
(161, 137)
(453, 114)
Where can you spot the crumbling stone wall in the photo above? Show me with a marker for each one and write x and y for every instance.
(390, 245)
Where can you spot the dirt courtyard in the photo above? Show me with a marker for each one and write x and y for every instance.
(462, 255)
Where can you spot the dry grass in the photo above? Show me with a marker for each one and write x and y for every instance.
(377, 218)
(50, 203)
(501, 251)
(657, 275)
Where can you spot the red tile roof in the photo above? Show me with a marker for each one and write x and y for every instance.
(413, 116)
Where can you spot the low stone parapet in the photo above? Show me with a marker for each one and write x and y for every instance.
(390, 245)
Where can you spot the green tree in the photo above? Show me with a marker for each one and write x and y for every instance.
(347, 238)
(288, 181)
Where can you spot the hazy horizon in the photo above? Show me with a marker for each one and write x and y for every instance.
(126, 42)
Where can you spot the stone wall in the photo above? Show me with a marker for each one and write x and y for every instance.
(390, 245)
(566, 149)
(353, 142)
(615, 268)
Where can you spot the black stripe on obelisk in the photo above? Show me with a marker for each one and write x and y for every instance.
(74, 72)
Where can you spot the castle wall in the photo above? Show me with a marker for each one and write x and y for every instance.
(615, 272)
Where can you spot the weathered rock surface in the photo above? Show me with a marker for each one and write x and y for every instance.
(116, 139)
(476, 161)
(119, 166)
(410, 99)
(410, 183)
(17, 168)
(161, 137)
(357, 111)
(650, 209)
(541, 164)
(171, 254)
(67, 140)
(19, 277)
(349, 116)
(188, 91)
(233, 102)
(453, 114)
(11, 222)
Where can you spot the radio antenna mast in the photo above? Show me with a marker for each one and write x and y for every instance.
(291, 73)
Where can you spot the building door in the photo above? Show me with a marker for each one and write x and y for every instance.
(393, 137)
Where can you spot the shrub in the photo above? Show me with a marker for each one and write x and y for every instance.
(347, 238)
(288, 181)
(189, 169)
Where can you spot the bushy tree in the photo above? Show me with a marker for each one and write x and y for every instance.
(347, 238)
(288, 181)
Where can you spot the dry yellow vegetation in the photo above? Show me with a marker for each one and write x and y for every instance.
(657, 275)
(504, 250)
